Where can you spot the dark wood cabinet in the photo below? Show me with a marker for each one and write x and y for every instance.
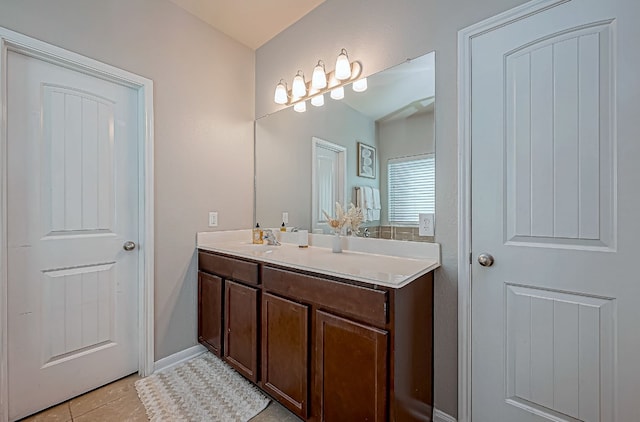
(285, 351)
(327, 348)
(210, 312)
(241, 328)
(350, 370)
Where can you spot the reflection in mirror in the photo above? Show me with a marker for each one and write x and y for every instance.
(385, 136)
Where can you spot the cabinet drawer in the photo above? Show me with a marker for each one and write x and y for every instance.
(230, 268)
(360, 302)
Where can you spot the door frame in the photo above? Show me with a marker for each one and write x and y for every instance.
(465, 257)
(16, 42)
(342, 182)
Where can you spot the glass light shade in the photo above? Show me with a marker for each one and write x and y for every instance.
(360, 85)
(318, 100)
(319, 77)
(299, 88)
(280, 96)
(343, 67)
(337, 93)
(300, 107)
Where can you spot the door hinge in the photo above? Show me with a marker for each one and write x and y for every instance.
(470, 258)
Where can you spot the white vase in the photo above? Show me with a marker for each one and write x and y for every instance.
(336, 245)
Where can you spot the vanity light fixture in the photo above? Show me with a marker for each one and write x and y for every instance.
(343, 67)
(318, 100)
(280, 96)
(319, 77)
(321, 82)
(300, 107)
(337, 93)
(299, 86)
(360, 85)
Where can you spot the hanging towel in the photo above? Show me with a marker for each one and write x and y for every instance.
(376, 199)
(367, 195)
(359, 198)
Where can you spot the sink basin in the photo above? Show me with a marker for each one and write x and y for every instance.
(250, 247)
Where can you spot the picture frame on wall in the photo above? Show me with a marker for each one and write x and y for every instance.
(366, 161)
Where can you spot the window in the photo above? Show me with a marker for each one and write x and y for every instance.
(411, 188)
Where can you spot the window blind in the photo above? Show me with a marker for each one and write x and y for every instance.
(412, 188)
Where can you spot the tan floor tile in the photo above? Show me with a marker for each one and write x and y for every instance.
(59, 413)
(103, 395)
(126, 408)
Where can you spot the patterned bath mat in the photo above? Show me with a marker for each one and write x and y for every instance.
(202, 389)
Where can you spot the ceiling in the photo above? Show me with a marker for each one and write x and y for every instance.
(251, 22)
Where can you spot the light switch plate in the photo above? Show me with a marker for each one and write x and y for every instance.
(427, 224)
(213, 219)
(285, 217)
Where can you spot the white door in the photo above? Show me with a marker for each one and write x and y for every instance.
(329, 181)
(72, 204)
(556, 201)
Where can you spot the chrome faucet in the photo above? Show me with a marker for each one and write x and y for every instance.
(270, 238)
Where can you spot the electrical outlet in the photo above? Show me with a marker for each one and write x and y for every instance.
(285, 217)
(213, 219)
(427, 225)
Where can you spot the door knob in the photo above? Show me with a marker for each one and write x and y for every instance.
(129, 246)
(485, 259)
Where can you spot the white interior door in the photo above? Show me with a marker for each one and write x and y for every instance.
(72, 204)
(555, 201)
(329, 181)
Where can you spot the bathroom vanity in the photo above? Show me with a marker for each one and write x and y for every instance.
(332, 337)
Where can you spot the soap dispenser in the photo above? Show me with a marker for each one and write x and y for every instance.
(257, 235)
(283, 228)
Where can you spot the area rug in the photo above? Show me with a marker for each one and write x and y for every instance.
(202, 389)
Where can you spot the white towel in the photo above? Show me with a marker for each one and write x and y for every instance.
(376, 215)
(359, 198)
(367, 195)
(376, 200)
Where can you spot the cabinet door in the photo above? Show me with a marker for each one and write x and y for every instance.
(350, 370)
(210, 312)
(285, 328)
(241, 329)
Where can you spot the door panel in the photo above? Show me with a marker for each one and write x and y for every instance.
(554, 175)
(350, 370)
(210, 312)
(285, 350)
(72, 203)
(241, 328)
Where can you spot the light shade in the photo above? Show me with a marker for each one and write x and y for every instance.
(337, 93)
(318, 100)
(360, 85)
(299, 87)
(343, 67)
(300, 107)
(280, 96)
(319, 77)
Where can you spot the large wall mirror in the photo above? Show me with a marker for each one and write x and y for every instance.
(375, 149)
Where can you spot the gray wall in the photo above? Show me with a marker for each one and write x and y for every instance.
(204, 111)
(382, 33)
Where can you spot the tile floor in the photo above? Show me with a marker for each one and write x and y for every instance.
(119, 401)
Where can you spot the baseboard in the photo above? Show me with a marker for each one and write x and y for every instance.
(177, 358)
(440, 416)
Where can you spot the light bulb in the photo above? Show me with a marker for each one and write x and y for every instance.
(299, 88)
(337, 93)
(319, 77)
(318, 100)
(300, 107)
(280, 96)
(360, 85)
(343, 67)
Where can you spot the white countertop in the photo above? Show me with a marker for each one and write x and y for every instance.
(380, 268)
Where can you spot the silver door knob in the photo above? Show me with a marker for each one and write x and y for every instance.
(485, 259)
(129, 246)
